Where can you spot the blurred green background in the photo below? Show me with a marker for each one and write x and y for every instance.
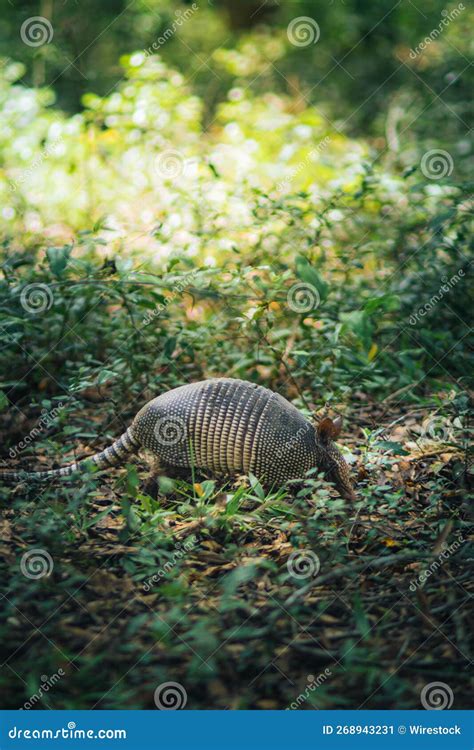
(359, 67)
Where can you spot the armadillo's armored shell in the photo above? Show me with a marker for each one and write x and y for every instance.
(229, 426)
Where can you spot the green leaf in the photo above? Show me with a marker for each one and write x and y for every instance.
(396, 448)
(170, 346)
(307, 273)
(386, 302)
(208, 487)
(361, 619)
(240, 575)
(256, 486)
(58, 258)
(233, 504)
(409, 171)
(98, 517)
(105, 375)
(213, 170)
(3, 401)
(359, 323)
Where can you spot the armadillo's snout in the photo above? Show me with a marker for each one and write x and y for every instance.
(341, 477)
(348, 493)
(345, 489)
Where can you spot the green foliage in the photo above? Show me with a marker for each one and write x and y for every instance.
(172, 220)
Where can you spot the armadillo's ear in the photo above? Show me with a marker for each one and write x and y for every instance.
(337, 426)
(329, 430)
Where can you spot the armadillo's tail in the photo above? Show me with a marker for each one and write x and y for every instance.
(114, 455)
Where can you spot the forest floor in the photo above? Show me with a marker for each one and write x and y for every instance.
(245, 600)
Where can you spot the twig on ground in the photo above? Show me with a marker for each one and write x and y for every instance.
(378, 562)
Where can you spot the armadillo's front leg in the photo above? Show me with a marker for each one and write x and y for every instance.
(151, 483)
(160, 468)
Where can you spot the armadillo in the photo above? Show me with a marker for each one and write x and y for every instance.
(227, 426)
